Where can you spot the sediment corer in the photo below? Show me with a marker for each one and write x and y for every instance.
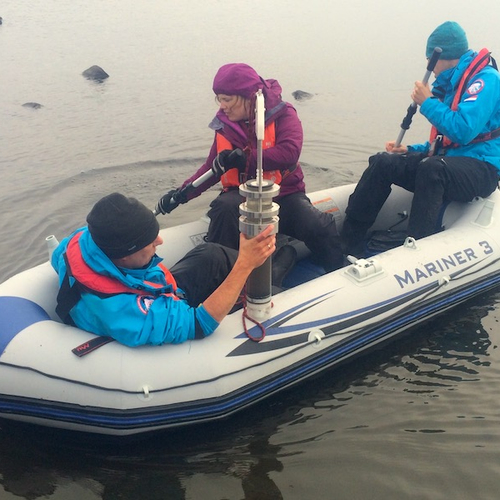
(405, 124)
(256, 213)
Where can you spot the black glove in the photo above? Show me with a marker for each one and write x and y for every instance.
(170, 201)
(228, 159)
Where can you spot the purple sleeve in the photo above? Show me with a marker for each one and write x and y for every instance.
(286, 151)
(204, 168)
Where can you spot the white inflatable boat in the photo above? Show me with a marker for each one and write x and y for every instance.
(314, 325)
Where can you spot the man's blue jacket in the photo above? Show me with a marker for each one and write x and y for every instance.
(149, 314)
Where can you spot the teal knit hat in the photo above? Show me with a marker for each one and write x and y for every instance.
(451, 38)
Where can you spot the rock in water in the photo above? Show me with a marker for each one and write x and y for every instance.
(95, 73)
(301, 95)
(33, 105)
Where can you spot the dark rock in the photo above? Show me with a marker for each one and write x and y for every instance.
(32, 105)
(95, 73)
(301, 95)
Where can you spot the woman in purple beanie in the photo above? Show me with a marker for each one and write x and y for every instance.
(235, 86)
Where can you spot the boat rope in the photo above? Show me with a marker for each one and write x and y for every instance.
(245, 316)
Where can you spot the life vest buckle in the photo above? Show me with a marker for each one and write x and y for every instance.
(436, 145)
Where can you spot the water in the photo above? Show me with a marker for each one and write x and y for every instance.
(415, 419)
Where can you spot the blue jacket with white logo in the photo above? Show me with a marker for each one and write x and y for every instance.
(478, 112)
(149, 313)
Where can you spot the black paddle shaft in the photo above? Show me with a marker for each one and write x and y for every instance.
(187, 189)
(405, 124)
(233, 156)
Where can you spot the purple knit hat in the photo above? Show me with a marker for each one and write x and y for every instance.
(241, 79)
(237, 79)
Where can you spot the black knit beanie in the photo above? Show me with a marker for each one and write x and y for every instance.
(121, 226)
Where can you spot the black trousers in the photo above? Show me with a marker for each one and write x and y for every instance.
(433, 180)
(298, 219)
(200, 272)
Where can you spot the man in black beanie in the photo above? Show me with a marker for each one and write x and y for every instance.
(460, 161)
(121, 226)
(112, 282)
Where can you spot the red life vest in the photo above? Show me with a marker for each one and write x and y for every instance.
(439, 141)
(231, 178)
(101, 284)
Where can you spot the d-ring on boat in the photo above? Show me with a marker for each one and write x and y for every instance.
(313, 326)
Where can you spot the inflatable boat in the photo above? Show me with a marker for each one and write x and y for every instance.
(316, 322)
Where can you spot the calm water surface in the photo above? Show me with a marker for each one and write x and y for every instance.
(416, 419)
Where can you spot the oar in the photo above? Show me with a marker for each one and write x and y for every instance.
(405, 124)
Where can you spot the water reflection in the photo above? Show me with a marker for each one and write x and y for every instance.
(455, 352)
(167, 465)
(447, 350)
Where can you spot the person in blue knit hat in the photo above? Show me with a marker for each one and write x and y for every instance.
(461, 159)
(450, 38)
